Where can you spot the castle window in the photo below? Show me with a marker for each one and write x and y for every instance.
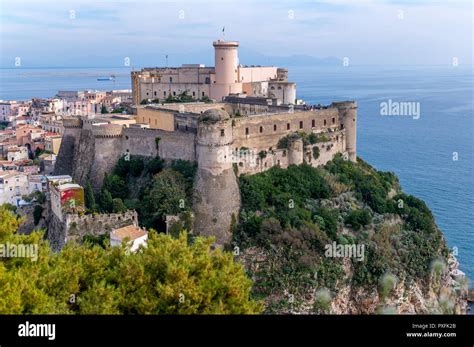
(208, 80)
(279, 88)
(272, 88)
(333, 120)
(261, 129)
(164, 93)
(194, 93)
(222, 58)
(313, 123)
(202, 93)
(325, 122)
(301, 124)
(342, 126)
(126, 137)
(171, 79)
(222, 132)
(174, 93)
(274, 127)
(287, 126)
(154, 93)
(246, 131)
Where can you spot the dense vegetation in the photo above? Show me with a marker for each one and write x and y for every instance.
(169, 276)
(150, 186)
(291, 215)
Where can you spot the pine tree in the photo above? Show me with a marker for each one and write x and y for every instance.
(169, 276)
(106, 201)
(118, 205)
(89, 197)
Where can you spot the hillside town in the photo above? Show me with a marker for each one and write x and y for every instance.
(31, 133)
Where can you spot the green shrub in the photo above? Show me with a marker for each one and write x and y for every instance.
(358, 219)
(37, 214)
(315, 152)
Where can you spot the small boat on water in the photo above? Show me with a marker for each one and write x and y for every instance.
(111, 78)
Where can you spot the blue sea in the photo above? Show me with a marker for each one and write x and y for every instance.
(421, 152)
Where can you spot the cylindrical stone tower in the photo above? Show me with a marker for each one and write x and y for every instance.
(348, 119)
(217, 195)
(226, 69)
(295, 152)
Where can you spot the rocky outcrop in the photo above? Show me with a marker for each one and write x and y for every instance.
(83, 156)
(443, 296)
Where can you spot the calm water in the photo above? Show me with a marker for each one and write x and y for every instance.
(24, 84)
(419, 151)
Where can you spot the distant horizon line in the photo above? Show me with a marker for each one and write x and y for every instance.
(303, 65)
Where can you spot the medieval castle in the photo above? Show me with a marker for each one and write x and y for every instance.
(253, 124)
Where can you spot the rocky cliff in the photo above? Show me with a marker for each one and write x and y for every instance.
(344, 239)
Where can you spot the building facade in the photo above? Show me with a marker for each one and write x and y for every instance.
(227, 77)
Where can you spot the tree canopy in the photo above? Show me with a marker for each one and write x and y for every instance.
(169, 276)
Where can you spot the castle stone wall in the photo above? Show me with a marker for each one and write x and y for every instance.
(107, 152)
(74, 227)
(64, 162)
(83, 156)
(262, 133)
(171, 145)
(77, 226)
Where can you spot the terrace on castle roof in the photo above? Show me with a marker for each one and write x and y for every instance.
(213, 115)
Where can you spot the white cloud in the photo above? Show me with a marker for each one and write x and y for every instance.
(369, 32)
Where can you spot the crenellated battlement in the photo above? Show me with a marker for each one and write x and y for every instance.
(226, 143)
(70, 122)
(107, 130)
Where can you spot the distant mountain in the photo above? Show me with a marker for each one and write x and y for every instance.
(253, 58)
(146, 59)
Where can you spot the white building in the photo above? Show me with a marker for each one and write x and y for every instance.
(227, 77)
(37, 183)
(133, 235)
(17, 153)
(13, 185)
(6, 114)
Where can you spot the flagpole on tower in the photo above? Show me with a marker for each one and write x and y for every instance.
(223, 32)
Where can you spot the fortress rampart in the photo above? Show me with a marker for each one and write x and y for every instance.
(74, 226)
(223, 146)
(107, 130)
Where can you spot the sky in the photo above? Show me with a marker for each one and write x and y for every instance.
(113, 33)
